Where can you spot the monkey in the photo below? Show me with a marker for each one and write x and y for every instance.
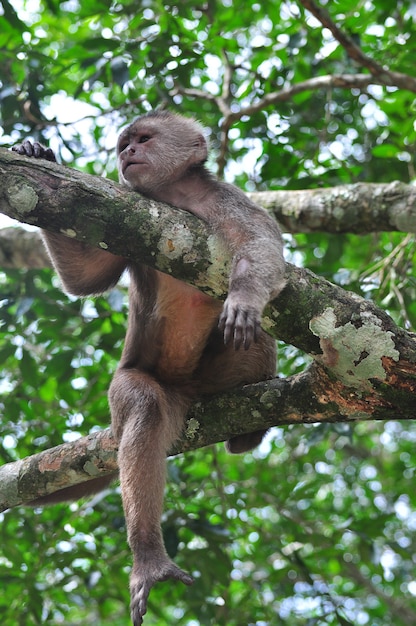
(180, 343)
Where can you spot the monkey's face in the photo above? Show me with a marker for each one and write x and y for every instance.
(157, 150)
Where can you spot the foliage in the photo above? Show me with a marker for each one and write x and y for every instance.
(316, 527)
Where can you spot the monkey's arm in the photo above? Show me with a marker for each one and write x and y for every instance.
(83, 270)
(258, 266)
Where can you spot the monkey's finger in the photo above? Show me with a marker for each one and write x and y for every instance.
(28, 148)
(250, 329)
(233, 333)
(186, 579)
(252, 332)
(248, 335)
(50, 155)
(38, 150)
(228, 332)
(223, 316)
(240, 328)
(226, 322)
(138, 605)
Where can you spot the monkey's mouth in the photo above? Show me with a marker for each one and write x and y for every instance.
(128, 164)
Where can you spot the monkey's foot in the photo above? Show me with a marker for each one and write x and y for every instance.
(144, 576)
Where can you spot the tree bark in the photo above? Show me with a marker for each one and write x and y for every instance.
(364, 365)
(311, 397)
(359, 208)
(22, 249)
(53, 197)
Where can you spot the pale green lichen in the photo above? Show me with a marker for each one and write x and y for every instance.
(192, 428)
(338, 213)
(216, 276)
(175, 241)
(354, 354)
(68, 232)
(405, 220)
(154, 211)
(91, 469)
(267, 323)
(270, 397)
(21, 197)
(10, 476)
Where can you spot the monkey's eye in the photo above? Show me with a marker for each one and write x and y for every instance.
(143, 138)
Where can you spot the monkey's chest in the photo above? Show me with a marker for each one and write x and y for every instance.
(187, 319)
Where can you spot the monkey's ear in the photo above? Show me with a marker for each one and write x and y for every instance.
(200, 149)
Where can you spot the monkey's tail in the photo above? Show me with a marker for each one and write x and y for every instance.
(76, 492)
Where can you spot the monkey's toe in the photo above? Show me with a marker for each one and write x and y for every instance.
(138, 604)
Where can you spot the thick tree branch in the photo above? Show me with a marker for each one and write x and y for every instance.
(106, 215)
(306, 398)
(365, 366)
(359, 208)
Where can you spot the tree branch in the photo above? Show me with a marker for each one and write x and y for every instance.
(341, 81)
(383, 75)
(310, 397)
(359, 208)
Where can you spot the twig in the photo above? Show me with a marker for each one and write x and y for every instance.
(386, 76)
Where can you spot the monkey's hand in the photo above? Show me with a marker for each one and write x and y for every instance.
(145, 574)
(36, 150)
(239, 321)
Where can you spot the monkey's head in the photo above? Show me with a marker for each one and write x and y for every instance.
(157, 149)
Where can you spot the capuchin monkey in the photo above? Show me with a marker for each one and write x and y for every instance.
(180, 343)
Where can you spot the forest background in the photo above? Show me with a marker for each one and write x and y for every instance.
(317, 526)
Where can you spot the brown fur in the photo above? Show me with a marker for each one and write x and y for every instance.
(179, 342)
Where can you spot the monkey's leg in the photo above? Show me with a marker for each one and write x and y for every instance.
(222, 368)
(146, 419)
